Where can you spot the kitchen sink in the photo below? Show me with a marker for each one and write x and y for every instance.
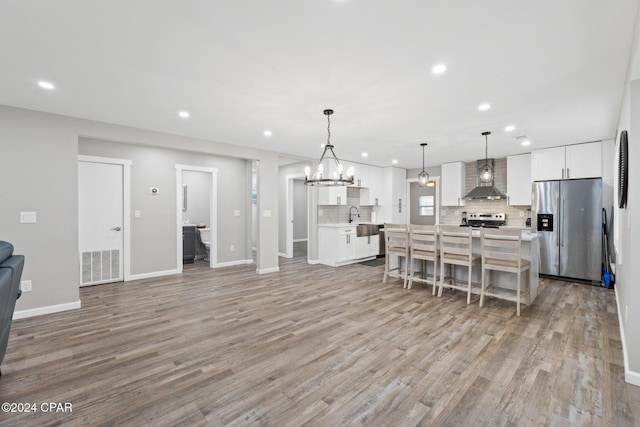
(367, 230)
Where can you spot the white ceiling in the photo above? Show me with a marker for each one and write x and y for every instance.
(554, 69)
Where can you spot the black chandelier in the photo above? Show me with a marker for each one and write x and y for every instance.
(329, 171)
(486, 174)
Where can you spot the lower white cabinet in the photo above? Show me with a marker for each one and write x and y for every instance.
(367, 246)
(339, 245)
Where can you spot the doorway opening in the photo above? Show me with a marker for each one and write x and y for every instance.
(424, 203)
(196, 214)
(297, 217)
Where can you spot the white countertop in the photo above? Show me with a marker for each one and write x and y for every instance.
(346, 224)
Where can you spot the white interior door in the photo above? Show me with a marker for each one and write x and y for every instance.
(100, 222)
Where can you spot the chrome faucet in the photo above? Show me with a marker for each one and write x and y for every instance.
(351, 215)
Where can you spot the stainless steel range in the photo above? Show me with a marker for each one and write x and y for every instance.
(485, 220)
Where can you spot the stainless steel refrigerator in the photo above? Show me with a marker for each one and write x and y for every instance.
(567, 215)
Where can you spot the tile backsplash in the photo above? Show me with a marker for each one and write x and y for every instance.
(329, 214)
(516, 215)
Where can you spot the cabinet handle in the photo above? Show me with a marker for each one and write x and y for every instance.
(368, 240)
(562, 173)
(399, 205)
(567, 173)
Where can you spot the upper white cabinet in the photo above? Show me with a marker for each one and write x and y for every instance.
(394, 187)
(519, 180)
(452, 184)
(570, 162)
(332, 195)
(584, 160)
(370, 182)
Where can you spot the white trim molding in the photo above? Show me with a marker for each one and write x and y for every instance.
(630, 376)
(232, 263)
(49, 309)
(153, 274)
(267, 270)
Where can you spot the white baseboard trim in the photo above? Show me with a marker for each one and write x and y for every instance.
(232, 263)
(313, 261)
(267, 270)
(49, 309)
(300, 240)
(283, 255)
(152, 274)
(630, 376)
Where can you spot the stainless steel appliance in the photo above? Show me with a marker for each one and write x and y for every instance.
(485, 220)
(568, 217)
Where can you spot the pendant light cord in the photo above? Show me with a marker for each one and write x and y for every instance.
(328, 129)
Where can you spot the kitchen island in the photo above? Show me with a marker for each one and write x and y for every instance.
(507, 281)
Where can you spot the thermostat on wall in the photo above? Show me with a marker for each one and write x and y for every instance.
(154, 190)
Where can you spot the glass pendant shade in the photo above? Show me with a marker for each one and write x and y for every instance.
(423, 177)
(486, 175)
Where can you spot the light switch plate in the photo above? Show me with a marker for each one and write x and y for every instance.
(137, 214)
(27, 217)
(25, 285)
(236, 212)
(266, 213)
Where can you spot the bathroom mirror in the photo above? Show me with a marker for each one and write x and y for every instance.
(184, 197)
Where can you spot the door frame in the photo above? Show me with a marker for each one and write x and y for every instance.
(437, 205)
(289, 214)
(126, 205)
(213, 210)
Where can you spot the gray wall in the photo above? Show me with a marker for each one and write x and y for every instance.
(627, 238)
(153, 235)
(40, 163)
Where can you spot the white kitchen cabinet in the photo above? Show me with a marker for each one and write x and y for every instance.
(452, 184)
(394, 187)
(567, 162)
(519, 180)
(371, 189)
(584, 160)
(332, 195)
(339, 245)
(347, 243)
(367, 246)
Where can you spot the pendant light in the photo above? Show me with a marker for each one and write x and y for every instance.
(329, 171)
(486, 174)
(423, 177)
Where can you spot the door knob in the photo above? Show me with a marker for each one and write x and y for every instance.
(116, 229)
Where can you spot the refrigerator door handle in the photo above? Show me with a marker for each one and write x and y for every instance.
(558, 223)
(562, 219)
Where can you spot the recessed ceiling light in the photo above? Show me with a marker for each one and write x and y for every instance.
(322, 145)
(394, 161)
(268, 133)
(523, 140)
(509, 128)
(184, 114)
(365, 154)
(484, 107)
(526, 142)
(46, 85)
(439, 69)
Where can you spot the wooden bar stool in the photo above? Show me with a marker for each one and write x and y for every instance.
(502, 251)
(423, 246)
(456, 248)
(396, 238)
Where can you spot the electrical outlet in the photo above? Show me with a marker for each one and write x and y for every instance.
(521, 213)
(232, 248)
(25, 285)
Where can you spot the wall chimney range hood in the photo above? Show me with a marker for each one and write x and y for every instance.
(485, 190)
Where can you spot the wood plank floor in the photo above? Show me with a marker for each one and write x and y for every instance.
(313, 345)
